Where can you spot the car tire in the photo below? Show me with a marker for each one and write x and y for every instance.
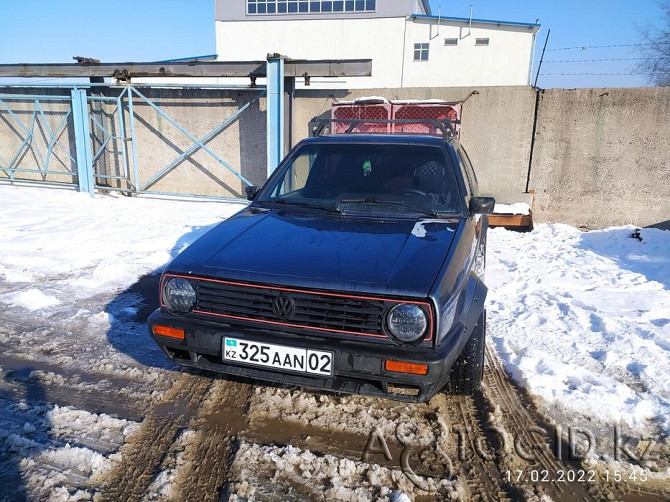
(466, 374)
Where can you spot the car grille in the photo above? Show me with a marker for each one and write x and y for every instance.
(313, 310)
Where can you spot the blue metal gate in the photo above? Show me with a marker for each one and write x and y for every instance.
(88, 139)
(130, 175)
(35, 144)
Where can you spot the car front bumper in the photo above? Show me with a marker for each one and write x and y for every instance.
(358, 367)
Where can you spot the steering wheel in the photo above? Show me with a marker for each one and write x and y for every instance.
(411, 191)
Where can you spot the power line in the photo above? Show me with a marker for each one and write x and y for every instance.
(584, 47)
(591, 60)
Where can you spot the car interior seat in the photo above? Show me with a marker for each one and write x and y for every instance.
(431, 178)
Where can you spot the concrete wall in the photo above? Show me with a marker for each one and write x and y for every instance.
(602, 156)
(496, 131)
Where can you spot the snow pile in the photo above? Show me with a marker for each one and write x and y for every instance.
(356, 414)
(583, 319)
(515, 208)
(83, 460)
(15, 275)
(646, 251)
(62, 452)
(68, 421)
(32, 299)
(270, 472)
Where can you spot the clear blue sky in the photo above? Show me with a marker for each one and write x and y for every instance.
(575, 23)
(144, 30)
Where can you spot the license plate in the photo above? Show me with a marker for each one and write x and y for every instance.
(316, 362)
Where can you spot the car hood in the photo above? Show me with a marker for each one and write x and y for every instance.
(323, 251)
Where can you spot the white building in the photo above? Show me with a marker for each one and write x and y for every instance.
(408, 45)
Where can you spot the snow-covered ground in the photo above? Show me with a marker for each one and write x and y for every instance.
(93, 244)
(67, 261)
(68, 330)
(580, 319)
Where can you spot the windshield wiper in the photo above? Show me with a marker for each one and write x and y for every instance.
(299, 203)
(395, 203)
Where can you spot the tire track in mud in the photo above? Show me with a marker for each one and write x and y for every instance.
(479, 473)
(518, 424)
(87, 390)
(208, 456)
(142, 455)
(524, 427)
(478, 465)
(220, 423)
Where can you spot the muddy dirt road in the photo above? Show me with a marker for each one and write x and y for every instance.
(208, 438)
(90, 409)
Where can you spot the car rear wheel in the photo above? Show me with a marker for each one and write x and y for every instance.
(467, 372)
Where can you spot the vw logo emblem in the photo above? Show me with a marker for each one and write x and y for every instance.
(283, 307)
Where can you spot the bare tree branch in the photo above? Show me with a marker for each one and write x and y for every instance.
(657, 52)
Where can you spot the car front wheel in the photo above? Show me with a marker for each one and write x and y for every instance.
(467, 372)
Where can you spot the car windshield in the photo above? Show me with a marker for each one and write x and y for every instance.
(367, 178)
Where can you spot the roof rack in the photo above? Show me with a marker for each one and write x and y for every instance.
(432, 127)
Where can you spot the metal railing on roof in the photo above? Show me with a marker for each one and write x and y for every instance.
(445, 128)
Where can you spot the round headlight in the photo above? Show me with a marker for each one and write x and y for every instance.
(179, 295)
(407, 322)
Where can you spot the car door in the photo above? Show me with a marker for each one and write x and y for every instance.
(480, 221)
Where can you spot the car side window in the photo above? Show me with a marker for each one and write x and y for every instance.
(296, 176)
(468, 166)
(466, 174)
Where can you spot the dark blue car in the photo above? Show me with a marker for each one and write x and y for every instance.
(356, 268)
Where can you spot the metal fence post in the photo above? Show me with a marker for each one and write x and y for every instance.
(133, 143)
(275, 111)
(82, 136)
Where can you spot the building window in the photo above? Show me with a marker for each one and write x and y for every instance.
(420, 52)
(450, 41)
(481, 41)
(309, 6)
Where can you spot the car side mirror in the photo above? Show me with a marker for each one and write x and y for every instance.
(252, 191)
(482, 205)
